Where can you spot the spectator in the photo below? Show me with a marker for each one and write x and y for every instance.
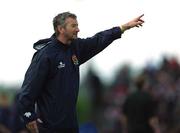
(140, 110)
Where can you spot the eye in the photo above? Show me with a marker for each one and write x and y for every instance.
(74, 25)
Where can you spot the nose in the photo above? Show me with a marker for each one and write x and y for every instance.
(77, 29)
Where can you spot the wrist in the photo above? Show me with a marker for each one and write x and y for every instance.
(122, 28)
(125, 27)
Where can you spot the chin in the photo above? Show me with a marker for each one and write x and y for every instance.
(74, 37)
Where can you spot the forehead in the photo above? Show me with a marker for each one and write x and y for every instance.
(71, 21)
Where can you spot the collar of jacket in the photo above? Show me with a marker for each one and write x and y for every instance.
(61, 45)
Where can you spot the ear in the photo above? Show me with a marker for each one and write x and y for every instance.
(60, 29)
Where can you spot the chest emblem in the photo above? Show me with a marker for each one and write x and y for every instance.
(61, 65)
(75, 60)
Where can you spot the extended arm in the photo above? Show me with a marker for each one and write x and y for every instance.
(93, 45)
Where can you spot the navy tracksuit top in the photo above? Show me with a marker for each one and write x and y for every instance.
(51, 83)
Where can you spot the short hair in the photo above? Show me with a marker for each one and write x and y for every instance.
(60, 20)
(140, 81)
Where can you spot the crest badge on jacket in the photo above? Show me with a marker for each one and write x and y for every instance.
(75, 60)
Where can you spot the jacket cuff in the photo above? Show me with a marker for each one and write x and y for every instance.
(117, 32)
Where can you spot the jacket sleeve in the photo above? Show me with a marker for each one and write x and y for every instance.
(89, 47)
(35, 79)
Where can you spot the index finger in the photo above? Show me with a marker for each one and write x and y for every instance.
(141, 16)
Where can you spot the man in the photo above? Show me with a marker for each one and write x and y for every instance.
(140, 110)
(52, 79)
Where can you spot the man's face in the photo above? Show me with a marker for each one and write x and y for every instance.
(71, 29)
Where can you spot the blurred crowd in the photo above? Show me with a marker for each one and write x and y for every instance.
(162, 83)
(10, 122)
(105, 102)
